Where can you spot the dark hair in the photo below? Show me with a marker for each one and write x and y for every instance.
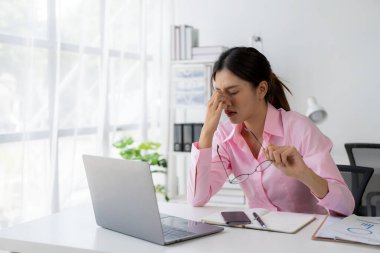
(250, 65)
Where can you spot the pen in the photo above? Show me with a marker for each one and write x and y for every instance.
(257, 217)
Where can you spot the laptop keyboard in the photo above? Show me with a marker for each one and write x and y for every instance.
(174, 227)
(172, 233)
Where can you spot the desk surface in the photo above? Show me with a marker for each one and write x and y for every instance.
(75, 230)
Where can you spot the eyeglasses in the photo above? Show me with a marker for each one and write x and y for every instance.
(242, 177)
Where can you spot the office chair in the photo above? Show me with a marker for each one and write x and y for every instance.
(368, 155)
(356, 178)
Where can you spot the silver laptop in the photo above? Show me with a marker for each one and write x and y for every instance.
(124, 201)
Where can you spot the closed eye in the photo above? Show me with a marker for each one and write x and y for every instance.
(233, 93)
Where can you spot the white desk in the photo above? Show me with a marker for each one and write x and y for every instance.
(75, 231)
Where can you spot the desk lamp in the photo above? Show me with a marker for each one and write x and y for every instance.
(315, 112)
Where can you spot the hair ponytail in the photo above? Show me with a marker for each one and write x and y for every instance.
(276, 93)
(251, 65)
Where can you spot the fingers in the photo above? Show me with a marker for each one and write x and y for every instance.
(216, 104)
(275, 155)
(287, 156)
(280, 155)
(221, 107)
(269, 152)
(217, 98)
(266, 152)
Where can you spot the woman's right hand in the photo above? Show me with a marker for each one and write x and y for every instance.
(215, 106)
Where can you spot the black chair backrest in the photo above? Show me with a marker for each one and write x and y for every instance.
(363, 154)
(356, 178)
(367, 155)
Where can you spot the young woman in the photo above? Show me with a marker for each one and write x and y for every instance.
(280, 158)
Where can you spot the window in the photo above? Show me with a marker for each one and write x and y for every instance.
(75, 76)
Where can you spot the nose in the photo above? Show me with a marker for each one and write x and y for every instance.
(228, 101)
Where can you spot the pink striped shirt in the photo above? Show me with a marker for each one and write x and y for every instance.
(270, 189)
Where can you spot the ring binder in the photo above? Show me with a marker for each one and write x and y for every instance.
(178, 141)
(187, 137)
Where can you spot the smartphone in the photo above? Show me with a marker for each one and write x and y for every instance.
(235, 218)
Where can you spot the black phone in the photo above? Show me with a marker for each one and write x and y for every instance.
(235, 218)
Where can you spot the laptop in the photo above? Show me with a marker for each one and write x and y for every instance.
(124, 200)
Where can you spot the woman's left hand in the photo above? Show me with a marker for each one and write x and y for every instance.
(287, 159)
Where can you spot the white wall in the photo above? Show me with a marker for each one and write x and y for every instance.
(329, 49)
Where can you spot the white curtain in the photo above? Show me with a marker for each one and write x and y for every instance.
(75, 76)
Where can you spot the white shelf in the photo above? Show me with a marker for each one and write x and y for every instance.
(179, 153)
(192, 62)
(189, 78)
(189, 93)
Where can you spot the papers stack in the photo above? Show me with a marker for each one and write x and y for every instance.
(350, 229)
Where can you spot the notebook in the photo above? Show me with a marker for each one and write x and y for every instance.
(284, 222)
(124, 201)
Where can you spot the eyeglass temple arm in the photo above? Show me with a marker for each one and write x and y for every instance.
(254, 136)
(225, 170)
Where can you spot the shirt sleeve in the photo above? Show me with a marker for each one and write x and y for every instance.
(316, 154)
(207, 174)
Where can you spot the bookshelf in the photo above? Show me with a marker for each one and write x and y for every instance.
(190, 90)
(189, 93)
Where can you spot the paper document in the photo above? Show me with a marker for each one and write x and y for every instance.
(352, 228)
(285, 222)
(321, 233)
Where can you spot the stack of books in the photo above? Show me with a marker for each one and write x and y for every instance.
(184, 45)
(183, 39)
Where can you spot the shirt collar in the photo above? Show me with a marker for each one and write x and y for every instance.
(273, 122)
(235, 133)
(272, 125)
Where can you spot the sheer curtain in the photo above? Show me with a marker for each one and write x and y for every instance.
(75, 76)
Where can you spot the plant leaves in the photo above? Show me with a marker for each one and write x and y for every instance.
(149, 146)
(144, 152)
(163, 163)
(123, 143)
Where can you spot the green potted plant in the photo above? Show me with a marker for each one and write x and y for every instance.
(145, 151)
